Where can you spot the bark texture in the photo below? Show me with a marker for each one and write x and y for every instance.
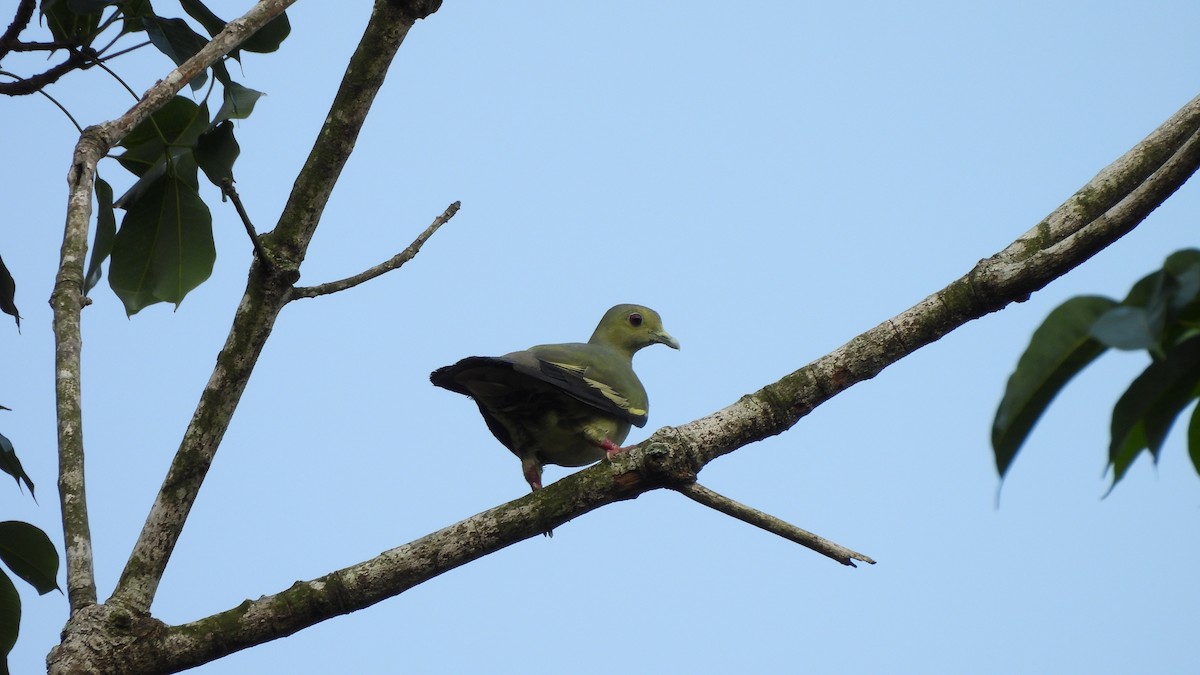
(120, 635)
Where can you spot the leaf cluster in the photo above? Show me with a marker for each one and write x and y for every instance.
(1161, 315)
(27, 552)
(163, 247)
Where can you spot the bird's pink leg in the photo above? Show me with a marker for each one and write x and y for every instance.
(533, 473)
(611, 449)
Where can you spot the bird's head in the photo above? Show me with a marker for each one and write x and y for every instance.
(631, 327)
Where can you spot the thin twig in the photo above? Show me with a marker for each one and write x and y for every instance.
(52, 100)
(386, 266)
(229, 191)
(75, 59)
(109, 57)
(702, 495)
(99, 63)
(108, 46)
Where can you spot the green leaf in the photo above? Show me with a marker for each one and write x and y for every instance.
(178, 124)
(239, 102)
(132, 12)
(1144, 413)
(1059, 349)
(216, 152)
(90, 6)
(1180, 261)
(203, 15)
(106, 229)
(165, 141)
(67, 25)
(29, 554)
(11, 464)
(177, 40)
(10, 619)
(269, 37)
(1161, 309)
(8, 294)
(266, 39)
(1187, 287)
(221, 73)
(1194, 439)
(164, 248)
(1130, 328)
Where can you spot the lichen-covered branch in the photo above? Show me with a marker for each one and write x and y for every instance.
(766, 521)
(390, 21)
(386, 266)
(267, 291)
(67, 298)
(1109, 206)
(1105, 209)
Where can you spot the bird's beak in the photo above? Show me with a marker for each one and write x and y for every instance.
(665, 338)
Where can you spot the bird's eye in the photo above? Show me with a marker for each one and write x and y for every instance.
(635, 319)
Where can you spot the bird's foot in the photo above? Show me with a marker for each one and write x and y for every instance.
(611, 449)
(533, 475)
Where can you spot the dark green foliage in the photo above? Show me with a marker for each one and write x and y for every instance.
(177, 40)
(1161, 314)
(106, 229)
(216, 151)
(266, 40)
(239, 103)
(72, 22)
(11, 464)
(27, 552)
(1060, 348)
(10, 619)
(8, 294)
(164, 248)
(175, 126)
(269, 37)
(164, 245)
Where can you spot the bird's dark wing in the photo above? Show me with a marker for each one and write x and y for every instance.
(513, 385)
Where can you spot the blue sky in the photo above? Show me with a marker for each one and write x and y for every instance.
(773, 183)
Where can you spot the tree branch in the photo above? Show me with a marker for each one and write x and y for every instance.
(229, 191)
(68, 300)
(19, 22)
(34, 83)
(265, 296)
(386, 266)
(702, 495)
(1115, 201)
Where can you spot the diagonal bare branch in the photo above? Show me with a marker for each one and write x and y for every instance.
(729, 507)
(1109, 206)
(382, 268)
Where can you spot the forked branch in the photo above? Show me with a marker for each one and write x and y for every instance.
(267, 292)
(382, 268)
(68, 300)
(1114, 202)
